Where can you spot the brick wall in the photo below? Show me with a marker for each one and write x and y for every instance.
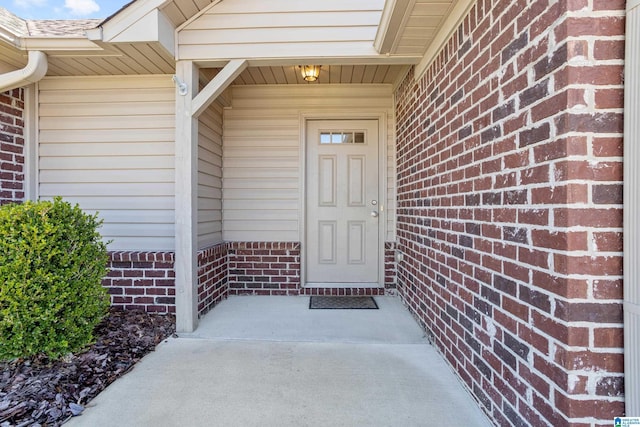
(273, 268)
(389, 265)
(213, 270)
(146, 280)
(142, 280)
(509, 163)
(264, 268)
(11, 146)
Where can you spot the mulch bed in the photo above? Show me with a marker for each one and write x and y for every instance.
(40, 392)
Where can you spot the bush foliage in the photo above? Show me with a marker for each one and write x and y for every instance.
(52, 261)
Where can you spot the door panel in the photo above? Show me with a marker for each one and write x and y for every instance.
(342, 238)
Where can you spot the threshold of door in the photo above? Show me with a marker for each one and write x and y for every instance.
(317, 285)
(354, 289)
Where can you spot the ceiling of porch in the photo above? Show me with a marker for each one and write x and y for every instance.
(329, 74)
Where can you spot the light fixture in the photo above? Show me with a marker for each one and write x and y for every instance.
(310, 73)
(182, 87)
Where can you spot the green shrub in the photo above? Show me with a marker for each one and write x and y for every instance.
(52, 260)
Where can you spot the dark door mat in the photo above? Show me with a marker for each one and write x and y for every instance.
(342, 303)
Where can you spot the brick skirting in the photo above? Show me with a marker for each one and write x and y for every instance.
(212, 277)
(264, 268)
(142, 280)
(389, 265)
(146, 280)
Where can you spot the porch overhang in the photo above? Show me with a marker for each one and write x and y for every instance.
(149, 36)
(418, 28)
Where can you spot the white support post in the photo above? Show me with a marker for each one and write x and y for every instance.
(189, 105)
(186, 200)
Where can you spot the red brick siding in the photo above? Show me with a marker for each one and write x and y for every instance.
(264, 268)
(509, 160)
(142, 280)
(273, 268)
(146, 280)
(12, 146)
(389, 265)
(212, 277)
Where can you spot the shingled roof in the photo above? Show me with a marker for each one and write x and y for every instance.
(45, 27)
(61, 28)
(12, 23)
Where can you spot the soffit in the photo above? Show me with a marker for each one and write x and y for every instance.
(122, 59)
(329, 74)
(409, 27)
(11, 58)
(180, 11)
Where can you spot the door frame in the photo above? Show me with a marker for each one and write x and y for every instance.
(382, 118)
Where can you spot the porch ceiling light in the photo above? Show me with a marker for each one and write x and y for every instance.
(310, 73)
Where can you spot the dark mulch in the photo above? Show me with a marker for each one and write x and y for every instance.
(38, 391)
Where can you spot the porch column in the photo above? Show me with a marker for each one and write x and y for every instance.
(189, 105)
(186, 199)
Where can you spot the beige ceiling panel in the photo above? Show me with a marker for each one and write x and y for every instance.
(424, 21)
(410, 42)
(410, 50)
(11, 59)
(440, 8)
(419, 33)
(334, 74)
(187, 7)
(174, 14)
(358, 72)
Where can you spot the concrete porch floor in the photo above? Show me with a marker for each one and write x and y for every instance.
(270, 361)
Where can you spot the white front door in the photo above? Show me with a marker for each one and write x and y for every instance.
(342, 203)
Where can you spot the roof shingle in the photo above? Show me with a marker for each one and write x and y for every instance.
(45, 27)
(61, 28)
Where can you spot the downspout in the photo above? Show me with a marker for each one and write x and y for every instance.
(33, 72)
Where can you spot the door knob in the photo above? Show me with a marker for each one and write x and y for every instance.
(374, 214)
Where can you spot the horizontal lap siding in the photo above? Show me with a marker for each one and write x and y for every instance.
(246, 29)
(262, 154)
(107, 143)
(210, 177)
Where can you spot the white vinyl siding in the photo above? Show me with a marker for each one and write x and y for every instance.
(249, 28)
(210, 177)
(107, 143)
(262, 154)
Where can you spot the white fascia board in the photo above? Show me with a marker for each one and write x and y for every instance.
(457, 14)
(394, 18)
(58, 44)
(94, 34)
(8, 37)
(129, 17)
(166, 34)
